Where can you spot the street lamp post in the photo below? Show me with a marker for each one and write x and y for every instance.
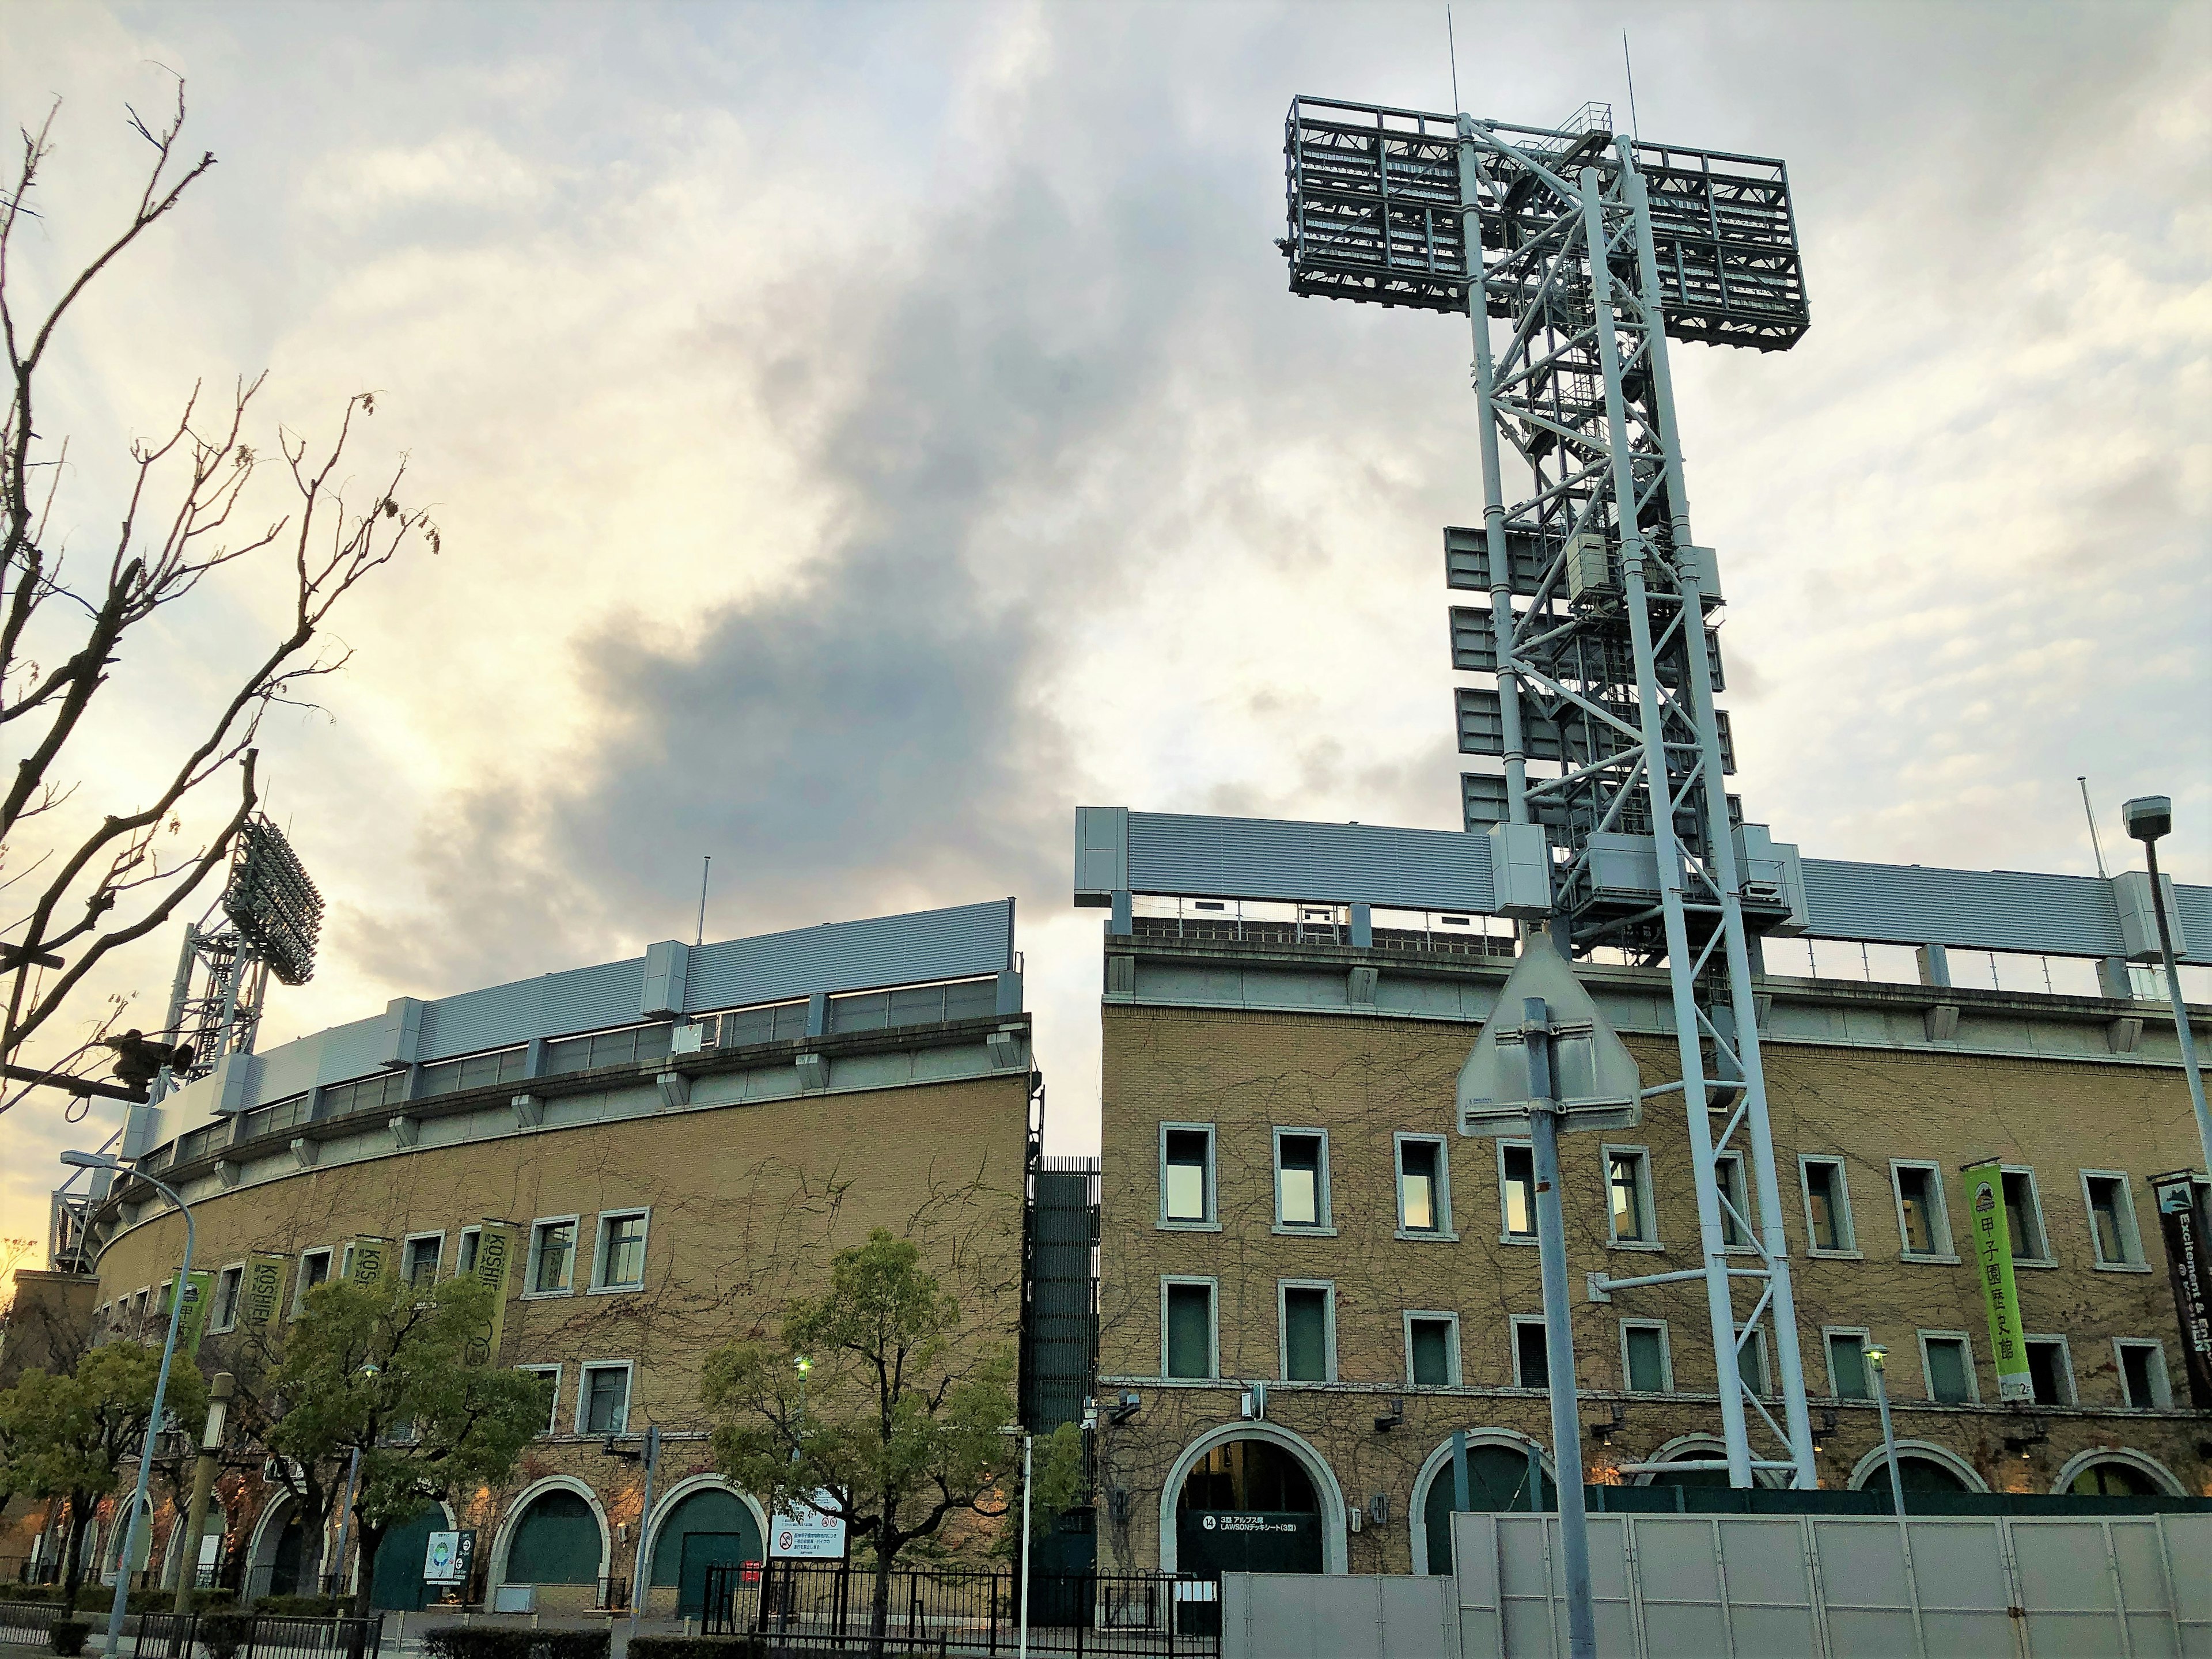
(115, 1611)
(2148, 818)
(1029, 1443)
(1877, 1359)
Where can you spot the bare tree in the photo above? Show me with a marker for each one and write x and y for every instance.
(99, 880)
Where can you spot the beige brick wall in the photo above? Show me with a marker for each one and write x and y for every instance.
(1365, 1080)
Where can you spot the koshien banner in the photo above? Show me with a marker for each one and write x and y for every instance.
(369, 1260)
(495, 1267)
(1992, 1240)
(193, 1325)
(261, 1291)
(2181, 1220)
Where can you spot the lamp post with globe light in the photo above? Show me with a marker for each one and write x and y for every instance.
(2148, 818)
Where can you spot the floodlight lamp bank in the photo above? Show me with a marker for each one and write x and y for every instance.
(91, 1161)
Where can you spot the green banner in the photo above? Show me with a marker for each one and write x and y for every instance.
(369, 1260)
(495, 1268)
(261, 1292)
(193, 1325)
(1992, 1243)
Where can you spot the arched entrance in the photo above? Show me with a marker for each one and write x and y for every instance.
(1921, 1467)
(1498, 1464)
(275, 1555)
(2116, 1474)
(400, 1559)
(710, 1525)
(556, 1539)
(1247, 1505)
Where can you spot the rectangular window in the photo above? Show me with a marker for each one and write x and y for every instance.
(1432, 1350)
(603, 1405)
(420, 1257)
(1186, 1320)
(1947, 1363)
(1424, 1187)
(1628, 1194)
(1532, 1367)
(1309, 1339)
(1735, 1209)
(2050, 1369)
(1186, 1175)
(1644, 1359)
(1301, 1179)
(1750, 1361)
(1924, 1227)
(2112, 1219)
(2024, 1217)
(464, 1258)
(552, 1376)
(1827, 1206)
(224, 1313)
(314, 1269)
(552, 1256)
(1517, 1189)
(619, 1262)
(1847, 1365)
(2143, 1385)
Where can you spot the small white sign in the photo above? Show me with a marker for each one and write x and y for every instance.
(804, 1532)
(449, 1557)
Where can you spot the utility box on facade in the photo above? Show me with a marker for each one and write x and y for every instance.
(1521, 871)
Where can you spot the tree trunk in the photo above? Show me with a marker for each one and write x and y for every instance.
(73, 1551)
(879, 1618)
(371, 1539)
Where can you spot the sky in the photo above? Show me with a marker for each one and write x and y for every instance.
(860, 433)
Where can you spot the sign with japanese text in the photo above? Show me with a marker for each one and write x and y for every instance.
(495, 1266)
(449, 1557)
(261, 1291)
(804, 1532)
(1990, 1234)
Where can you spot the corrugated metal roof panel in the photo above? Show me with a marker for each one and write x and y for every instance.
(1279, 858)
(1981, 909)
(855, 956)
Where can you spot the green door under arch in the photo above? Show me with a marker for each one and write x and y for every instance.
(1496, 1479)
(708, 1528)
(399, 1557)
(556, 1542)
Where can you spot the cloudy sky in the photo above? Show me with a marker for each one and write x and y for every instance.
(861, 433)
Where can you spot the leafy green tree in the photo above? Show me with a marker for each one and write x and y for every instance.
(867, 1398)
(381, 1369)
(73, 1436)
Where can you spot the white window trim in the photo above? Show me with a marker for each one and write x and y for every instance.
(2069, 1386)
(1849, 1250)
(629, 1368)
(1666, 1354)
(1213, 1325)
(551, 1369)
(1327, 1288)
(599, 1286)
(1504, 1235)
(1326, 1227)
(299, 1286)
(460, 1248)
(215, 1297)
(1444, 1232)
(1927, 1375)
(2131, 1234)
(1946, 1251)
(2161, 1381)
(1450, 1320)
(1866, 1365)
(1750, 1219)
(1213, 1222)
(1764, 1388)
(2042, 1222)
(407, 1249)
(538, 1226)
(1513, 1354)
(1643, 1157)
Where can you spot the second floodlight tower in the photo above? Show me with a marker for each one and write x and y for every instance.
(1577, 251)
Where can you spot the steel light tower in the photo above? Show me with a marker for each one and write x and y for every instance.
(1597, 644)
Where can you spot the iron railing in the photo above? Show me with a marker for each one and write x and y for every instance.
(829, 1606)
(267, 1636)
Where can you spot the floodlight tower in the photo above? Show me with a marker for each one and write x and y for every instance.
(1589, 249)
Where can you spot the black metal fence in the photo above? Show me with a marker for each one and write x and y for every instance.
(266, 1636)
(830, 1605)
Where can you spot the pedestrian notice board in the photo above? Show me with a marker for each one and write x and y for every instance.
(804, 1532)
(450, 1556)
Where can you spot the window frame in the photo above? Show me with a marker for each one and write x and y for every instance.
(234, 1273)
(2042, 1221)
(1325, 1225)
(1606, 1153)
(2072, 1388)
(551, 1367)
(600, 1284)
(1864, 1336)
(299, 1285)
(1666, 1355)
(1764, 1388)
(1443, 1232)
(1283, 1288)
(1454, 1374)
(538, 1226)
(2162, 1380)
(466, 1242)
(2131, 1232)
(1965, 1341)
(407, 1245)
(1749, 1246)
(1505, 1233)
(1515, 1324)
(1947, 1253)
(1209, 1186)
(1847, 1246)
(585, 1371)
(1212, 1286)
